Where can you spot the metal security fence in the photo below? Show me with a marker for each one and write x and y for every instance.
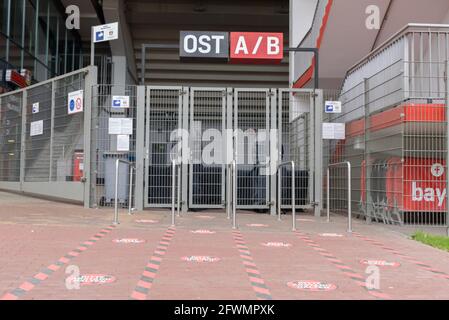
(208, 168)
(43, 146)
(49, 149)
(10, 136)
(113, 136)
(395, 115)
(164, 111)
(295, 142)
(252, 120)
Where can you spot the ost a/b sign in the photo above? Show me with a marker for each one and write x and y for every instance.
(236, 47)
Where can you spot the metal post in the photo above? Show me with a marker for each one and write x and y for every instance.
(279, 197)
(349, 199)
(92, 49)
(328, 201)
(117, 164)
(348, 164)
(228, 191)
(447, 146)
(173, 184)
(293, 197)
(234, 194)
(179, 191)
(130, 200)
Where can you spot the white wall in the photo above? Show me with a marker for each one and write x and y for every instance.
(301, 18)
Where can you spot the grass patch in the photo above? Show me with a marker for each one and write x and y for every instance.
(439, 242)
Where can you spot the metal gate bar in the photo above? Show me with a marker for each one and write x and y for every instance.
(252, 117)
(164, 120)
(207, 127)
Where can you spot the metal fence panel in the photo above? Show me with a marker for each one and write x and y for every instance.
(252, 121)
(10, 136)
(164, 120)
(112, 140)
(295, 135)
(207, 128)
(42, 143)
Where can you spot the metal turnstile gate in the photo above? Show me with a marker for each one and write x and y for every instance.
(251, 120)
(248, 117)
(163, 120)
(296, 134)
(207, 127)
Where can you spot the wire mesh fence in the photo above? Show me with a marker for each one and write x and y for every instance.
(10, 136)
(113, 137)
(394, 111)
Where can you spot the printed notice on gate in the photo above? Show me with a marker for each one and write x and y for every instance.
(75, 102)
(121, 126)
(123, 142)
(334, 131)
(36, 128)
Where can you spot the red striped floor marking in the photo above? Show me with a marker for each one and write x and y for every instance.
(149, 274)
(254, 276)
(423, 266)
(45, 273)
(346, 270)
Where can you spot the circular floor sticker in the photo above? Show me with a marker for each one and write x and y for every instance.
(276, 244)
(380, 263)
(331, 235)
(93, 279)
(257, 225)
(202, 231)
(128, 240)
(311, 285)
(200, 259)
(146, 221)
(204, 217)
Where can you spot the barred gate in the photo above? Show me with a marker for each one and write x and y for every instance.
(207, 122)
(296, 134)
(164, 117)
(207, 114)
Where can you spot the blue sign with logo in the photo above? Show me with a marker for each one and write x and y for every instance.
(72, 105)
(99, 36)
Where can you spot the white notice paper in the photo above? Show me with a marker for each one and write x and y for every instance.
(122, 142)
(120, 126)
(36, 128)
(334, 131)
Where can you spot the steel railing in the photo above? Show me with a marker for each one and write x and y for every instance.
(348, 164)
(176, 172)
(231, 199)
(279, 192)
(131, 167)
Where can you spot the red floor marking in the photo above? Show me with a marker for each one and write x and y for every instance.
(346, 270)
(423, 266)
(145, 283)
(27, 286)
(259, 286)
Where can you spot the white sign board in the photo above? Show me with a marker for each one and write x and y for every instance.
(105, 32)
(120, 126)
(35, 108)
(120, 101)
(36, 128)
(334, 131)
(332, 107)
(123, 142)
(75, 102)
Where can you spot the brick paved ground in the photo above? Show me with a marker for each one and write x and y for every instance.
(39, 239)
